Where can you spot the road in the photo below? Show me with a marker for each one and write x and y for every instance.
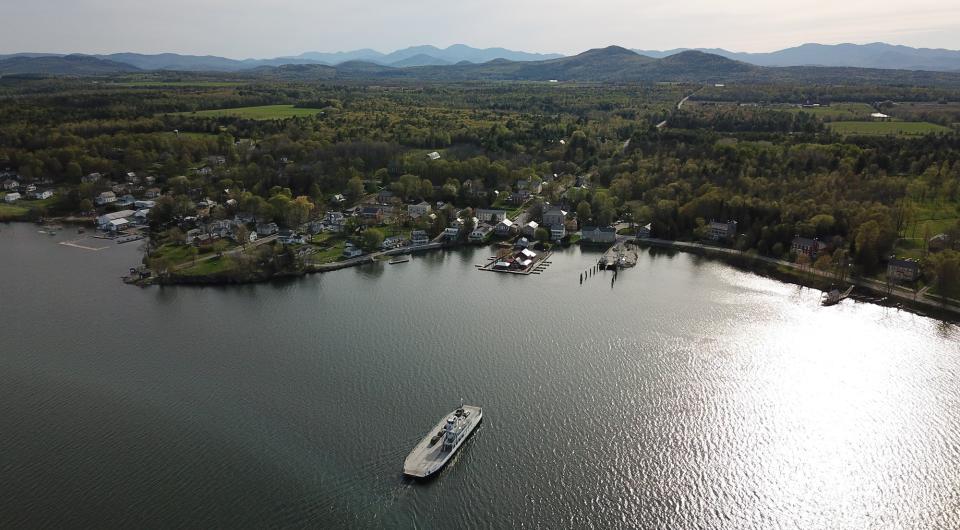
(679, 106)
(897, 291)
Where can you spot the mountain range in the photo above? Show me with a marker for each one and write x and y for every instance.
(413, 56)
(610, 64)
(875, 55)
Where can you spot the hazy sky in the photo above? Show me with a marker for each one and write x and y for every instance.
(248, 28)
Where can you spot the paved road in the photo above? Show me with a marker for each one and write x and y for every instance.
(679, 106)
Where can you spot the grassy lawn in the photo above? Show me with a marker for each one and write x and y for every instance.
(932, 217)
(209, 267)
(839, 111)
(885, 128)
(10, 212)
(266, 112)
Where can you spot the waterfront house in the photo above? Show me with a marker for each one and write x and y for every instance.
(419, 209)
(103, 221)
(522, 243)
(419, 237)
(505, 228)
(105, 198)
(480, 233)
(451, 232)
(141, 216)
(599, 234)
(116, 225)
(11, 185)
(267, 229)
(351, 251)
(806, 246)
(30, 188)
(718, 231)
(554, 216)
(11, 197)
(558, 232)
(391, 242)
(644, 231)
(490, 216)
(903, 270)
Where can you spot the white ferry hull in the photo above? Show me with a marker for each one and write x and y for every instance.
(426, 460)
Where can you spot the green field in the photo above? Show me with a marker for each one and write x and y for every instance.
(209, 267)
(266, 112)
(885, 128)
(839, 111)
(10, 212)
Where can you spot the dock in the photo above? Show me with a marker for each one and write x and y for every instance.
(518, 261)
(619, 256)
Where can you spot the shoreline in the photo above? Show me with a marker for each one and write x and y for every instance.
(789, 273)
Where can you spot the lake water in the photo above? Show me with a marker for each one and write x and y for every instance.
(687, 395)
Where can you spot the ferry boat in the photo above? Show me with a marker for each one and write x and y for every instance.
(442, 442)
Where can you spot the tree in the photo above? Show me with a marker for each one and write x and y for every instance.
(354, 189)
(542, 234)
(372, 238)
(584, 212)
(242, 234)
(946, 267)
(868, 245)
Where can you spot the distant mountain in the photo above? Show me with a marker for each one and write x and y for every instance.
(421, 59)
(62, 65)
(449, 55)
(875, 55)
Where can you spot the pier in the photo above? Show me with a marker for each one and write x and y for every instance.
(619, 256)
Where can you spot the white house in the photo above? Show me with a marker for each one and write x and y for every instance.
(106, 197)
(11, 197)
(40, 195)
(419, 209)
(491, 216)
(451, 232)
(140, 205)
(391, 242)
(10, 184)
(433, 156)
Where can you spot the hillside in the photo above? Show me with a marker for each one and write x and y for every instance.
(63, 65)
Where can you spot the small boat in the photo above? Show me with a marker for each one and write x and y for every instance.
(834, 296)
(395, 261)
(442, 442)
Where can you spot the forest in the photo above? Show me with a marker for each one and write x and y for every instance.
(779, 172)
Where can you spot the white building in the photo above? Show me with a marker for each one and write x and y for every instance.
(103, 222)
(418, 210)
(11, 197)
